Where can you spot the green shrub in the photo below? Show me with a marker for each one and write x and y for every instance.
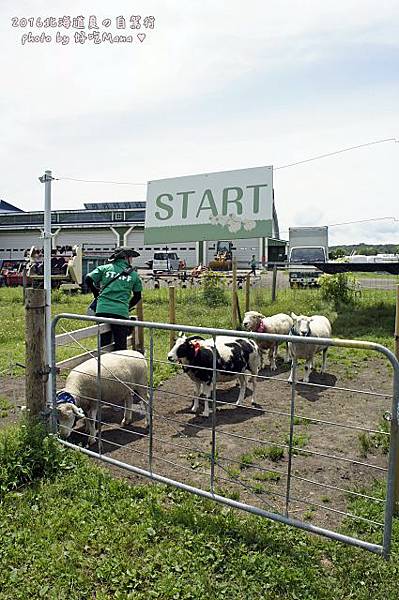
(27, 453)
(214, 289)
(339, 288)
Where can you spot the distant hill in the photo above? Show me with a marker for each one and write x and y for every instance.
(367, 249)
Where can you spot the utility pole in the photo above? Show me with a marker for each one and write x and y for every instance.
(47, 178)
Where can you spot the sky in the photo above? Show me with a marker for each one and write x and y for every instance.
(213, 86)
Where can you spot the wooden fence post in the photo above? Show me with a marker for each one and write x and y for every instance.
(172, 314)
(233, 295)
(35, 303)
(274, 283)
(247, 291)
(140, 317)
(396, 490)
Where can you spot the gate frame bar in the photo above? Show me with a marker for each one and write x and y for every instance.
(383, 549)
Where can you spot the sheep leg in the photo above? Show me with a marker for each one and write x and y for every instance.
(254, 382)
(273, 356)
(290, 378)
(195, 405)
(91, 420)
(207, 399)
(128, 413)
(323, 366)
(243, 387)
(145, 410)
(287, 357)
(308, 369)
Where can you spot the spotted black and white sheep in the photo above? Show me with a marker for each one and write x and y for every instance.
(236, 358)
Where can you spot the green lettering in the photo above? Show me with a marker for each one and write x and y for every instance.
(211, 206)
(256, 195)
(185, 202)
(235, 200)
(168, 209)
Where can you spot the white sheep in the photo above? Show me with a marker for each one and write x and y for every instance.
(123, 374)
(280, 324)
(314, 326)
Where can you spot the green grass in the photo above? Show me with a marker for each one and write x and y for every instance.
(299, 440)
(75, 532)
(371, 319)
(5, 406)
(273, 453)
(267, 476)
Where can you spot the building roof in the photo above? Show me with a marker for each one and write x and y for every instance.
(7, 207)
(113, 205)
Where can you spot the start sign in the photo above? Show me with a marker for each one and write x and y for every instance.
(212, 206)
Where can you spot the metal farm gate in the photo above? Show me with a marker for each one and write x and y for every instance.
(294, 457)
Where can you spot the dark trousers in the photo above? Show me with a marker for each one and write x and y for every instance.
(119, 333)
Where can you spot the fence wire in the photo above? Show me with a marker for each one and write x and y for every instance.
(285, 454)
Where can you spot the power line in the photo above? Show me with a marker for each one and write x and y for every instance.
(300, 162)
(320, 156)
(98, 181)
(352, 222)
(365, 221)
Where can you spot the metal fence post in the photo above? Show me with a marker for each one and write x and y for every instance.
(98, 381)
(213, 442)
(291, 438)
(151, 401)
(396, 489)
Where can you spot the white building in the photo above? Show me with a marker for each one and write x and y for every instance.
(99, 227)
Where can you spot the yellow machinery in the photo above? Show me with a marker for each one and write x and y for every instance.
(223, 260)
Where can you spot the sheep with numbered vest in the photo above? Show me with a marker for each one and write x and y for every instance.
(280, 324)
(123, 379)
(316, 326)
(236, 358)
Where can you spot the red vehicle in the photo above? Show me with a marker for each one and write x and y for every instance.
(12, 272)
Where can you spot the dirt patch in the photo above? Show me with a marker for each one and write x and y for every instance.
(12, 398)
(333, 454)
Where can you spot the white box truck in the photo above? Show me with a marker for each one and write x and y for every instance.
(306, 245)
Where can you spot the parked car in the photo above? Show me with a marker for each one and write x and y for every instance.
(165, 262)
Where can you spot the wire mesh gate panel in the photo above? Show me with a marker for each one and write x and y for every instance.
(303, 454)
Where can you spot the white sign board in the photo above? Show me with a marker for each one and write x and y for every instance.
(212, 206)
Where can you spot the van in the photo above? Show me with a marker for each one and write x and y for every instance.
(165, 261)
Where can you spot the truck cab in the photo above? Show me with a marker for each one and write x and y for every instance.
(306, 245)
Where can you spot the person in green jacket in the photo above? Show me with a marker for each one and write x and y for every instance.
(116, 299)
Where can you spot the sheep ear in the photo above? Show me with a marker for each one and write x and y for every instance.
(78, 411)
(294, 316)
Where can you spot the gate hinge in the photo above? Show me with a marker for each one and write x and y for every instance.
(45, 372)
